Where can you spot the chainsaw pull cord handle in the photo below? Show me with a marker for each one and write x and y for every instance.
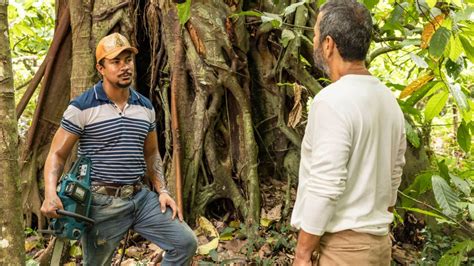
(75, 215)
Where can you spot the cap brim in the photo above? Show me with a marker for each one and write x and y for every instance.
(115, 53)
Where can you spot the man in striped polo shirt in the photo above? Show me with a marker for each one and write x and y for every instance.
(115, 126)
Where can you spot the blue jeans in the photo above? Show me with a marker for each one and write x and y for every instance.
(142, 213)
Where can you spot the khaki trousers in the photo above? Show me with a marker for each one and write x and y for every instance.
(352, 248)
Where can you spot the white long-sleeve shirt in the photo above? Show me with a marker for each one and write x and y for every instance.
(352, 157)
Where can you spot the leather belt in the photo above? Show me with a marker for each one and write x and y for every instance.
(117, 190)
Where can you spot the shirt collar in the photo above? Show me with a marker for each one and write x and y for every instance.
(101, 96)
(100, 93)
(134, 96)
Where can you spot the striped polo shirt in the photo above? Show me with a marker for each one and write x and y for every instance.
(111, 138)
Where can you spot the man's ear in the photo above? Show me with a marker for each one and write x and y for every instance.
(328, 46)
(100, 68)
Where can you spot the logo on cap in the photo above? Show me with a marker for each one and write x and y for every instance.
(112, 45)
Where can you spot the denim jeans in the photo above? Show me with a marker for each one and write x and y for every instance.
(114, 216)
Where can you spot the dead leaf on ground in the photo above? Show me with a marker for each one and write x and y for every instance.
(207, 229)
(264, 251)
(234, 245)
(271, 216)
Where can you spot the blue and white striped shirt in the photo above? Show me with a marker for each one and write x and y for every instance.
(111, 138)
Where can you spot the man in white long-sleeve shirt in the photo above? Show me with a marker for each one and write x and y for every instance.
(352, 153)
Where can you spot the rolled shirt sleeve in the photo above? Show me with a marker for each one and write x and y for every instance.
(329, 141)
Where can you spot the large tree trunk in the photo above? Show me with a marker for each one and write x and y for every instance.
(11, 222)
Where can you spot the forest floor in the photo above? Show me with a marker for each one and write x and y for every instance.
(224, 240)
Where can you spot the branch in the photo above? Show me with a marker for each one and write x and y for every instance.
(23, 85)
(177, 79)
(382, 50)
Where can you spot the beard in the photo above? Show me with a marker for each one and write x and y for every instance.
(123, 84)
(319, 61)
(125, 80)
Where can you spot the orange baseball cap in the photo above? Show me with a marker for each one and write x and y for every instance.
(112, 45)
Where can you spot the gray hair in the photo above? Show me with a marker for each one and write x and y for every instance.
(350, 26)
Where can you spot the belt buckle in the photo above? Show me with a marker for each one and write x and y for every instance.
(99, 190)
(126, 191)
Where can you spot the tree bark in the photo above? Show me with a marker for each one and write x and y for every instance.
(11, 221)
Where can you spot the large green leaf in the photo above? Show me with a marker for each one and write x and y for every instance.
(443, 169)
(455, 48)
(287, 36)
(435, 105)
(463, 137)
(292, 8)
(184, 11)
(425, 212)
(461, 184)
(427, 89)
(412, 135)
(459, 96)
(274, 19)
(420, 185)
(439, 41)
(468, 48)
(455, 255)
(445, 196)
(394, 22)
(454, 68)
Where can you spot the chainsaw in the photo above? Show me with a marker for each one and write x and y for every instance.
(75, 194)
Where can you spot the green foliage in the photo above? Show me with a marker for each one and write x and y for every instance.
(456, 255)
(463, 137)
(184, 11)
(31, 25)
(412, 135)
(439, 41)
(435, 246)
(292, 8)
(447, 30)
(425, 212)
(435, 105)
(439, 110)
(445, 196)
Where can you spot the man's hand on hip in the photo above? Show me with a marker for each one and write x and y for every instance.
(166, 200)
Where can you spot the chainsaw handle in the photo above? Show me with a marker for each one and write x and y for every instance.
(75, 215)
